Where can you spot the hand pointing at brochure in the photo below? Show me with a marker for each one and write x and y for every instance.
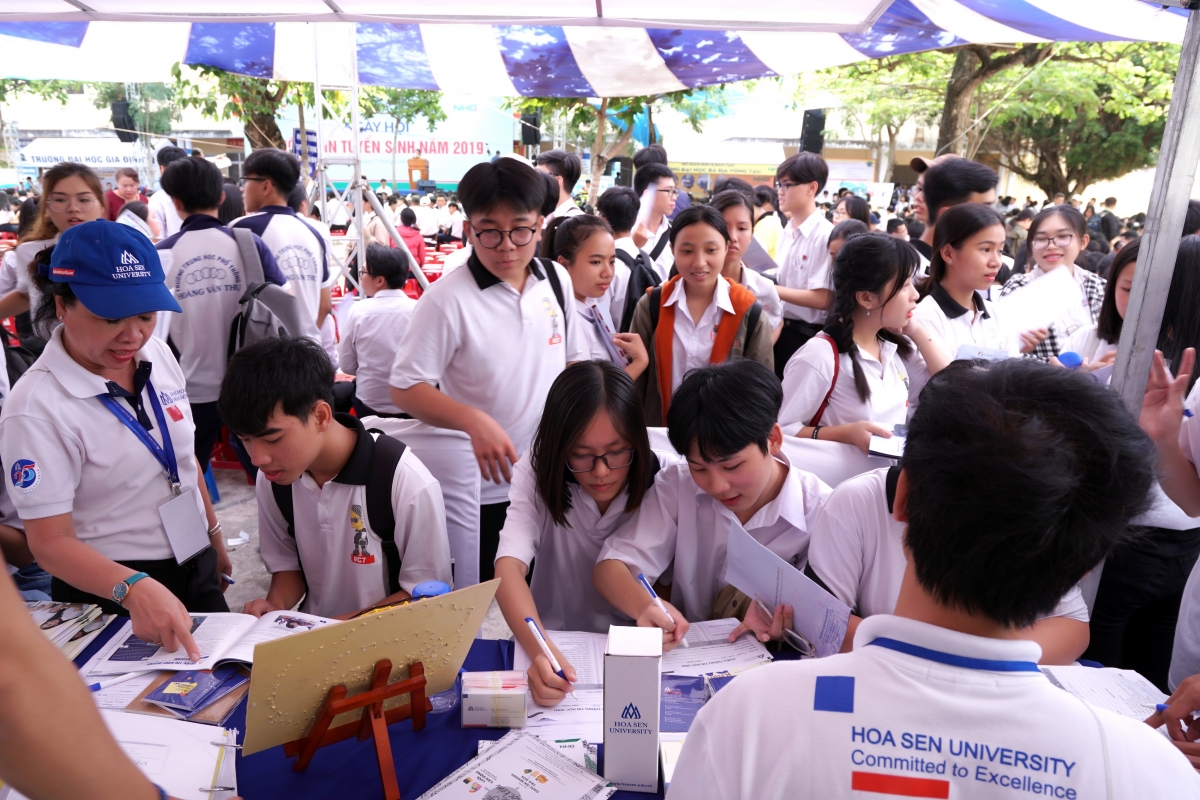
(764, 629)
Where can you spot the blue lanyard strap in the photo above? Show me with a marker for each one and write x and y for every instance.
(988, 664)
(164, 453)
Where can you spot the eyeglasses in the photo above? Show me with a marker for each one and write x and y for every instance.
(1062, 240)
(492, 238)
(783, 186)
(242, 180)
(620, 460)
(83, 202)
(671, 192)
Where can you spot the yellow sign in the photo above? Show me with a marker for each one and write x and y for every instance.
(698, 177)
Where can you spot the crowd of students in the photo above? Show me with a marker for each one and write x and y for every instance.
(564, 336)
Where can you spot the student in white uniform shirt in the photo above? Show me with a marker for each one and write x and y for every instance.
(454, 227)
(802, 254)
(587, 473)
(565, 168)
(856, 553)
(97, 437)
(635, 272)
(268, 176)
(160, 203)
(427, 222)
(322, 477)
(653, 234)
(373, 328)
(738, 212)
(1097, 344)
(967, 244)
(203, 268)
(1056, 238)
(943, 699)
(584, 245)
(723, 420)
(854, 379)
(71, 195)
(486, 342)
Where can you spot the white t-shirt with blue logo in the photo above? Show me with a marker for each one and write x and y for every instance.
(65, 452)
(203, 269)
(300, 252)
(919, 711)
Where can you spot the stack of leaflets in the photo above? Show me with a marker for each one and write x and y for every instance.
(69, 626)
(522, 765)
(186, 694)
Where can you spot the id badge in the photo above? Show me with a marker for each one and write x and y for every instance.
(186, 528)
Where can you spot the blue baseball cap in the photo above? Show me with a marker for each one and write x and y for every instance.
(113, 269)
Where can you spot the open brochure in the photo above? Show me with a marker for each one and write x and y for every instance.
(221, 638)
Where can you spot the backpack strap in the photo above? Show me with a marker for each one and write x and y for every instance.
(625, 257)
(385, 458)
(752, 317)
(556, 287)
(252, 266)
(661, 244)
(837, 368)
(655, 293)
(283, 499)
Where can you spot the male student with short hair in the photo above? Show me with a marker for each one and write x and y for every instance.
(618, 206)
(653, 234)
(268, 177)
(326, 488)
(957, 181)
(373, 328)
(159, 204)
(723, 419)
(485, 343)
(804, 283)
(204, 270)
(566, 168)
(945, 699)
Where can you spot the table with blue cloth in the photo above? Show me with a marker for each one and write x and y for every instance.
(348, 769)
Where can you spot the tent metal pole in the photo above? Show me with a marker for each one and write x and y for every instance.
(1173, 179)
(417, 270)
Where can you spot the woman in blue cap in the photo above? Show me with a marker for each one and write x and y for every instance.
(96, 439)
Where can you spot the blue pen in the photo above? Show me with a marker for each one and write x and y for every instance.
(541, 640)
(1187, 412)
(104, 684)
(653, 596)
(1160, 707)
(227, 579)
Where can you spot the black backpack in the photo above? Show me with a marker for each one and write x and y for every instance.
(556, 287)
(385, 457)
(17, 358)
(642, 277)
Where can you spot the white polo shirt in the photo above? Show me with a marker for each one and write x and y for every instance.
(299, 250)
(343, 576)
(24, 255)
(919, 711)
(567, 208)
(78, 458)
(692, 344)
(803, 259)
(809, 373)
(487, 345)
(371, 333)
(955, 326)
(162, 206)
(203, 268)
(1087, 343)
(566, 555)
(768, 297)
(679, 522)
(619, 288)
(857, 548)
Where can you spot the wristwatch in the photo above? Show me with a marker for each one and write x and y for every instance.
(122, 589)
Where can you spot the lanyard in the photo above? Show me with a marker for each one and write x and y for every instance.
(165, 453)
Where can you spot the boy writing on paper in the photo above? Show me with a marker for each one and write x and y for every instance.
(343, 522)
(950, 670)
(723, 419)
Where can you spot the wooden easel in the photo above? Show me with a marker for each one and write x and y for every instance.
(373, 723)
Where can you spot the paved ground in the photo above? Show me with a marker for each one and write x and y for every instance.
(238, 512)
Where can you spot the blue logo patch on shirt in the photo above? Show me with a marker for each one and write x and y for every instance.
(26, 475)
(834, 693)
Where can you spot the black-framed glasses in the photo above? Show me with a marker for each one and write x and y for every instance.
(783, 186)
(242, 180)
(1062, 240)
(617, 459)
(491, 238)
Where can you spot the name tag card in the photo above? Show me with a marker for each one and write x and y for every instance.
(186, 528)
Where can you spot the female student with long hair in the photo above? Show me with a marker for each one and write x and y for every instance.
(853, 379)
(967, 242)
(587, 472)
(584, 244)
(852, 207)
(1097, 344)
(697, 317)
(843, 231)
(71, 195)
(738, 213)
(1057, 237)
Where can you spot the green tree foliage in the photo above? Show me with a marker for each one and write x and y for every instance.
(153, 110)
(403, 107)
(225, 95)
(47, 90)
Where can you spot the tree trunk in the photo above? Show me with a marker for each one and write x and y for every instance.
(892, 134)
(599, 159)
(304, 168)
(263, 131)
(395, 144)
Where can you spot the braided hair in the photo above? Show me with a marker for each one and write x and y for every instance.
(868, 263)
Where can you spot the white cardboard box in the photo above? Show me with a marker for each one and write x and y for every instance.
(632, 666)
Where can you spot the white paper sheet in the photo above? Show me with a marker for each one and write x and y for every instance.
(585, 652)
(746, 653)
(1121, 691)
(709, 632)
(753, 569)
(1054, 297)
(121, 695)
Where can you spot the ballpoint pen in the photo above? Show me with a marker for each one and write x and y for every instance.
(653, 596)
